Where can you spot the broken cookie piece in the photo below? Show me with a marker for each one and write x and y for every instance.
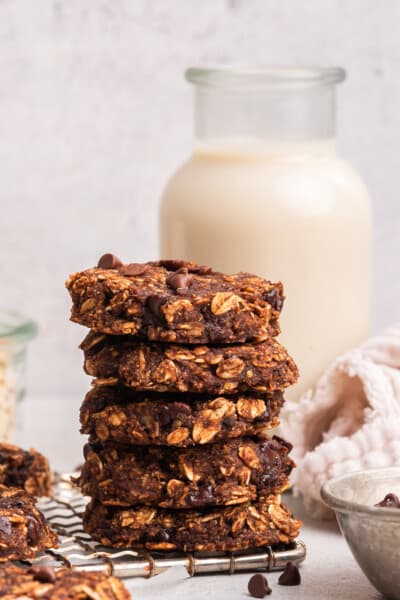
(45, 583)
(26, 469)
(23, 529)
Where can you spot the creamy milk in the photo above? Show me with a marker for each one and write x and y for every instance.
(293, 212)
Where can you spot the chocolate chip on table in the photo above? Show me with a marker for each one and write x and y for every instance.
(179, 279)
(290, 576)
(133, 269)
(43, 574)
(258, 586)
(389, 501)
(109, 261)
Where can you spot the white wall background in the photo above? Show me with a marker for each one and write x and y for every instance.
(95, 115)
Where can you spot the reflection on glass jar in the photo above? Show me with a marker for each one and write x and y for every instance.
(266, 192)
(15, 332)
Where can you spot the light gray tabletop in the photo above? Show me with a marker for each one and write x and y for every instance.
(329, 572)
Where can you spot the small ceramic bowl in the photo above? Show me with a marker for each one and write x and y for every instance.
(373, 533)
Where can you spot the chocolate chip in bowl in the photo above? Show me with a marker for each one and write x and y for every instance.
(370, 525)
(389, 501)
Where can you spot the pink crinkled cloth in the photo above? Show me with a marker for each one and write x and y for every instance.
(350, 421)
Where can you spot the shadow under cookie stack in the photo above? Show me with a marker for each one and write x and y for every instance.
(189, 381)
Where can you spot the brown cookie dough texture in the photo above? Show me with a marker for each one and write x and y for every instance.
(262, 523)
(45, 583)
(119, 415)
(23, 530)
(175, 301)
(225, 473)
(28, 470)
(263, 367)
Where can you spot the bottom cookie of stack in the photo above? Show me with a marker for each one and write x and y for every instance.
(251, 525)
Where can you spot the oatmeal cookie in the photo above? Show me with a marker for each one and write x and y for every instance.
(112, 413)
(262, 523)
(224, 473)
(214, 370)
(175, 301)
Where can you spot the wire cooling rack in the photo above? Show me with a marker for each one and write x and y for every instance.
(63, 512)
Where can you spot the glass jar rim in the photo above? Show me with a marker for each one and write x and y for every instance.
(233, 77)
(15, 326)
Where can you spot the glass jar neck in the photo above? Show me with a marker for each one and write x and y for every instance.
(242, 105)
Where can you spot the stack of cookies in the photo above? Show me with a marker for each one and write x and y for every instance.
(189, 381)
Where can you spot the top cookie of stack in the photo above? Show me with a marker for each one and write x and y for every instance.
(175, 301)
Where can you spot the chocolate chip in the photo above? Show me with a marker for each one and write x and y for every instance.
(43, 574)
(202, 270)
(258, 586)
(172, 265)
(389, 501)
(181, 410)
(283, 442)
(86, 451)
(164, 414)
(274, 298)
(5, 526)
(155, 303)
(179, 280)
(290, 576)
(133, 269)
(28, 458)
(12, 503)
(202, 496)
(175, 265)
(229, 422)
(161, 536)
(109, 261)
(33, 531)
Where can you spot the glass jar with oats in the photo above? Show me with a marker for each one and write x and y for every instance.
(15, 333)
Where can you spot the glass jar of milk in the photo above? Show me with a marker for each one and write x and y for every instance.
(266, 192)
